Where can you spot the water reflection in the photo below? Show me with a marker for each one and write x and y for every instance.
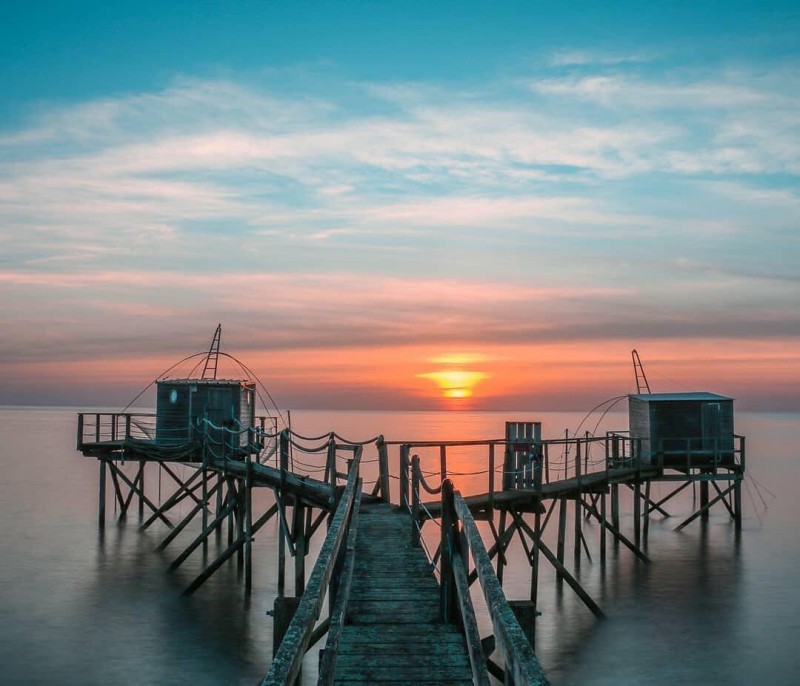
(711, 608)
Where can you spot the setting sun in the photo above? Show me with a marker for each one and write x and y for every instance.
(455, 382)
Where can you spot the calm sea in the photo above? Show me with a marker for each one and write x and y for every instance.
(81, 607)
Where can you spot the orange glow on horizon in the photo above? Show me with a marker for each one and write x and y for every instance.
(541, 375)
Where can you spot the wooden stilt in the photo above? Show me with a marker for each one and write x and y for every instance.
(562, 532)
(248, 526)
(300, 548)
(501, 558)
(101, 501)
(141, 493)
(602, 528)
(737, 505)
(204, 496)
(637, 514)
(646, 514)
(615, 505)
(578, 532)
(704, 499)
(281, 546)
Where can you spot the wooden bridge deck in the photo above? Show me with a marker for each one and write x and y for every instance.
(393, 633)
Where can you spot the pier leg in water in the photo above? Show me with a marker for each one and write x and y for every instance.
(141, 492)
(562, 533)
(578, 531)
(101, 501)
(248, 526)
(220, 481)
(204, 477)
(615, 505)
(646, 514)
(637, 514)
(281, 546)
(704, 499)
(737, 505)
(299, 536)
(501, 558)
(603, 529)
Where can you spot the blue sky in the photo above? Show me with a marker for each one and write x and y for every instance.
(362, 179)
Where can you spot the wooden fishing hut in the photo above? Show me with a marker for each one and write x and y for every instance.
(226, 407)
(682, 430)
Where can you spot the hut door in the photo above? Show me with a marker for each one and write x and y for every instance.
(712, 427)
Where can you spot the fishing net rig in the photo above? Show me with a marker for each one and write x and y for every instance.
(210, 361)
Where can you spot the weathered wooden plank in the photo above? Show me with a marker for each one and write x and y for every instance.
(408, 675)
(399, 661)
(410, 647)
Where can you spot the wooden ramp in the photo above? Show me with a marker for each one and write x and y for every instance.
(393, 633)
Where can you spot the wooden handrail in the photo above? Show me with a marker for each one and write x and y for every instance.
(520, 660)
(327, 667)
(289, 658)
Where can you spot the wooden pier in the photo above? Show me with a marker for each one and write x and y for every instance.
(398, 612)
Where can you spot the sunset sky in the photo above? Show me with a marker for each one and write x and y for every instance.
(408, 205)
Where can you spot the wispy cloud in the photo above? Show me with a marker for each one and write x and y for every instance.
(594, 200)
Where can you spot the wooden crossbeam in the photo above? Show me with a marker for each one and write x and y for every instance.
(573, 583)
(705, 507)
(670, 496)
(229, 552)
(170, 502)
(221, 515)
(616, 533)
(185, 521)
(182, 485)
(148, 502)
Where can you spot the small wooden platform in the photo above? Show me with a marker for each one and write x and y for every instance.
(393, 633)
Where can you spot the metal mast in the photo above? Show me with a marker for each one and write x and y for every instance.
(210, 367)
(638, 370)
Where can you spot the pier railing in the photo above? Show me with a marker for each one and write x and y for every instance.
(288, 660)
(460, 540)
(681, 453)
(109, 430)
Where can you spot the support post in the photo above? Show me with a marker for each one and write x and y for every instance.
(248, 524)
(704, 499)
(448, 602)
(562, 532)
(646, 514)
(204, 513)
(602, 528)
(578, 512)
(101, 501)
(637, 513)
(299, 536)
(537, 529)
(383, 469)
(404, 499)
(737, 505)
(141, 482)
(415, 534)
(615, 505)
(279, 500)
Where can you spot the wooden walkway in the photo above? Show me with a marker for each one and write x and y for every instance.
(393, 633)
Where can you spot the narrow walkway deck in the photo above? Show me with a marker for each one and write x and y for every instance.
(393, 634)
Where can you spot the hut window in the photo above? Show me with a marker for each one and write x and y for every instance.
(173, 396)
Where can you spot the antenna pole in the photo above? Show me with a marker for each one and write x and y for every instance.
(638, 371)
(210, 367)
